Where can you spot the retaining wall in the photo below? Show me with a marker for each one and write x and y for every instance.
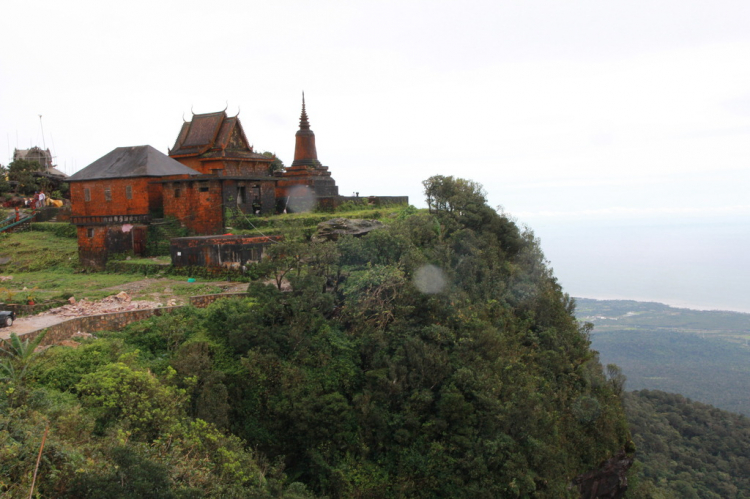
(202, 301)
(115, 321)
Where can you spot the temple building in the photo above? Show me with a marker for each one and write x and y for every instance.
(211, 169)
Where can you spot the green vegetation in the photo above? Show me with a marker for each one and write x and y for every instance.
(37, 250)
(436, 357)
(47, 259)
(688, 450)
(607, 314)
(702, 354)
(296, 225)
(58, 229)
(23, 172)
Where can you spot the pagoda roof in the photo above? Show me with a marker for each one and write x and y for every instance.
(134, 161)
(213, 135)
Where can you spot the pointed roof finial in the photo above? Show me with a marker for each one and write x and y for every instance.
(303, 123)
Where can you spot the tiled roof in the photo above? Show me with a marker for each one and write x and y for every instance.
(208, 133)
(236, 154)
(135, 161)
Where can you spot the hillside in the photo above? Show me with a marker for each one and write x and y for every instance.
(435, 357)
(703, 355)
(688, 450)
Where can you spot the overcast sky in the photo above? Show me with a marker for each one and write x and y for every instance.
(586, 114)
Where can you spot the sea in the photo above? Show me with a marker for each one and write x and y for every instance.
(699, 263)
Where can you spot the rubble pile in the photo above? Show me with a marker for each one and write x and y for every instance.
(120, 302)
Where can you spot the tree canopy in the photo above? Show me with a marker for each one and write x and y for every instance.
(23, 172)
(436, 357)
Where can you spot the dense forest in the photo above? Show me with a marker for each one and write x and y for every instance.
(701, 354)
(436, 357)
(686, 449)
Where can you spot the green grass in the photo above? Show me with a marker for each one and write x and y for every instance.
(47, 266)
(35, 251)
(61, 284)
(153, 260)
(295, 225)
(46, 263)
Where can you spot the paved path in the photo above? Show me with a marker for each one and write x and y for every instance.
(23, 325)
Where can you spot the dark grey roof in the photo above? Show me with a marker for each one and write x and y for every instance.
(135, 161)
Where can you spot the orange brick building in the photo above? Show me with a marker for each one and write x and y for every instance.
(210, 169)
(113, 199)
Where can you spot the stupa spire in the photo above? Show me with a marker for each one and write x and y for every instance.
(305, 154)
(304, 124)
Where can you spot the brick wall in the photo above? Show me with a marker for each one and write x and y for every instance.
(92, 250)
(142, 192)
(218, 251)
(194, 163)
(198, 207)
(249, 168)
(262, 191)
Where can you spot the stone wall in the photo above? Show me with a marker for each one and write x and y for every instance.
(94, 323)
(30, 309)
(202, 301)
(115, 321)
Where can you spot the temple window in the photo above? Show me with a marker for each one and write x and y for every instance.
(107, 194)
(87, 194)
(129, 192)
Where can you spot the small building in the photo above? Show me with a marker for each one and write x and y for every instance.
(44, 157)
(219, 252)
(114, 198)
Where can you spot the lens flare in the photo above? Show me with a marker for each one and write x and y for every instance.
(301, 199)
(430, 279)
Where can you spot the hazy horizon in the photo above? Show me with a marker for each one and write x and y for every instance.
(698, 264)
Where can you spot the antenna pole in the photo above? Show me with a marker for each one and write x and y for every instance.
(42, 127)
